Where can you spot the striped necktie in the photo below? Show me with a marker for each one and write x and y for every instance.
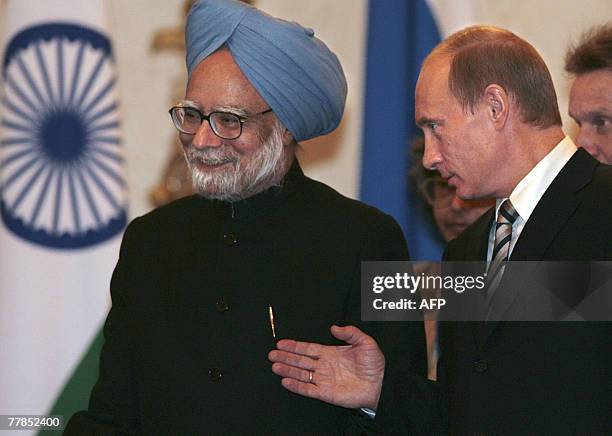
(501, 247)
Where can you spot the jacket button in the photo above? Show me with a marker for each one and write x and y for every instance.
(230, 239)
(215, 374)
(222, 306)
(480, 365)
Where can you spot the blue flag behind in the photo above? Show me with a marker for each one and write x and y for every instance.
(400, 35)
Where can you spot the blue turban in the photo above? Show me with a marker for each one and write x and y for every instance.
(293, 71)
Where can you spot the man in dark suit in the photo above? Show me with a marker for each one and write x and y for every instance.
(206, 285)
(590, 104)
(486, 103)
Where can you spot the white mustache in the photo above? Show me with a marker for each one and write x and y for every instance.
(212, 156)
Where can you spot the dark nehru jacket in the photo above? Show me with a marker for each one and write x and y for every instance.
(188, 334)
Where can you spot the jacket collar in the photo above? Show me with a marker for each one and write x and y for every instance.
(261, 203)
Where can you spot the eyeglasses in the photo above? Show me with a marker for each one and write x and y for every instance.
(225, 125)
(437, 192)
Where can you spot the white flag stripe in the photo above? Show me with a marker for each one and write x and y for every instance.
(62, 191)
(48, 319)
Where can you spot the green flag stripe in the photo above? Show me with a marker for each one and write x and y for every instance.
(75, 395)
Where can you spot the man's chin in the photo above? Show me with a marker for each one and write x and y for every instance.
(465, 193)
(213, 188)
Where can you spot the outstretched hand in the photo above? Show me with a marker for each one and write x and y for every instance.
(345, 375)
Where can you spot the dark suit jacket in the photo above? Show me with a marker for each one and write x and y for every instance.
(532, 377)
(188, 334)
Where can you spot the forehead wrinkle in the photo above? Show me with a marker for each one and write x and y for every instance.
(219, 84)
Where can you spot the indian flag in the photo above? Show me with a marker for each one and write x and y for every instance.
(62, 201)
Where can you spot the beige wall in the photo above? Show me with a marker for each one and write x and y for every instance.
(550, 25)
(146, 78)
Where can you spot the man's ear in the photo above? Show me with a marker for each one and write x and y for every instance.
(497, 104)
(287, 137)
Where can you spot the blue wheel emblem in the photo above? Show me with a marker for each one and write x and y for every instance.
(61, 160)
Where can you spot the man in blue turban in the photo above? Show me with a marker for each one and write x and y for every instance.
(291, 69)
(205, 286)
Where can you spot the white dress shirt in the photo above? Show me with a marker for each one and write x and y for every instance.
(527, 194)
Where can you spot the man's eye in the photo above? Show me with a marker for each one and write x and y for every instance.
(227, 120)
(602, 124)
(191, 115)
(432, 126)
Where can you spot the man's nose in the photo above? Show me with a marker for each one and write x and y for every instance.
(431, 156)
(205, 137)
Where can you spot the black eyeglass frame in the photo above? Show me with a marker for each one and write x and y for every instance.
(241, 119)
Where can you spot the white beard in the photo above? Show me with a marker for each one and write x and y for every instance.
(240, 180)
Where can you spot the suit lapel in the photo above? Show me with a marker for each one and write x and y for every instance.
(548, 219)
(557, 205)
